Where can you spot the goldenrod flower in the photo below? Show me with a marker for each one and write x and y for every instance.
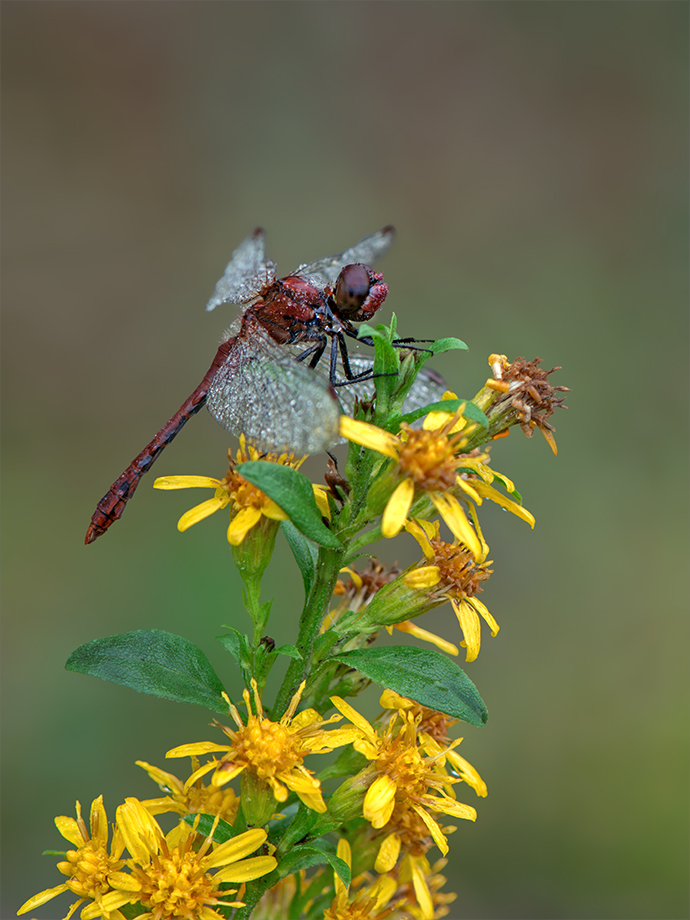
(430, 462)
(273, 752)
(170, 874)
(90, 865)
(192, 797)
(519, 393)
(248, 504)
(407, 775)
(453, 572)
(368, 903)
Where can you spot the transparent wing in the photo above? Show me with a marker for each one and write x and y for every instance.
(429, 387)
(247, 273)
(278, 403)
(325, 271)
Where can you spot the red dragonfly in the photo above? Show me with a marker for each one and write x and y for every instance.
(258, 383)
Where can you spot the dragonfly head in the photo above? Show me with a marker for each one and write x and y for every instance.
(358, 293)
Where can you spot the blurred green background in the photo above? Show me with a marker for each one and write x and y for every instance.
(533, 158)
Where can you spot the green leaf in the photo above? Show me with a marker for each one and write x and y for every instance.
(292, 492)
(290, 651)
(428, 677)
(153, 661)
(238, 646)
(449, 405)
(305, 552)
(222, 833)
(448, 344)
(313, 854)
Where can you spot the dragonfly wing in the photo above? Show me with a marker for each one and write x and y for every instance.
(278, 403)
(324, 272)
(247, 273)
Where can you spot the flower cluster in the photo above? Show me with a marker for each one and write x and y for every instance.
(263, 826)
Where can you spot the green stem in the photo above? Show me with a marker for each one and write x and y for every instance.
(328, 566)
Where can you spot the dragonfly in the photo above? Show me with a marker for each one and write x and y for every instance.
(267, 380)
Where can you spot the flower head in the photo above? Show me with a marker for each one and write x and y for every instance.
(87, 867)
(248, 504)
(430, 462)
(170, 875)
(192, 797)
(368, 902)
(452, 572)
(270, 753)
(519, 393)
(406, 778)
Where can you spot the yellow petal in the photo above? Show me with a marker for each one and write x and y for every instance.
(380, 801)
(470, 626)
(388, 853)
(199, 747)
(270, 510)
(483, 612)
(425, 576)
(235, 848)
(369, 436)
(397, 509)
(198, 513)
(322, 503)
(160, 776)
(186, 482)
(468, 773)
(437, 834)
(247, 870)
(421, 890)
(241, 524)
(421, 535)
(449, 807)
(468, 490)
(70, 830)
(345, 853)
(354, 717)
(99, 821)
(41, 898)
(426, 636)
(495, 496)
(451, 511)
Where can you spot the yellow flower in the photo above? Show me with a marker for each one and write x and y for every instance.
(90, 865)
(425, 882)
(190, 798)
(453, 572)
(408, 776)
(170, 874)
(368, 903)
(430, 462)
(272, 752)
(248, 504)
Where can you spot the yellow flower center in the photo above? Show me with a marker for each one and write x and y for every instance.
(268, 747)
(211, 800)
(429, 458)
(175, 886)
(404, 764)
(89, 867)
(242, 493)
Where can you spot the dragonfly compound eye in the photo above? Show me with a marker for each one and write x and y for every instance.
(352, 289)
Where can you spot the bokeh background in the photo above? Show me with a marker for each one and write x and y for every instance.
(533, 158)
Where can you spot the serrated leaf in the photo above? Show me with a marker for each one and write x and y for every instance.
(451, 406)
(153, 661)
(292, 492)
(428, 677)
(305, 552)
